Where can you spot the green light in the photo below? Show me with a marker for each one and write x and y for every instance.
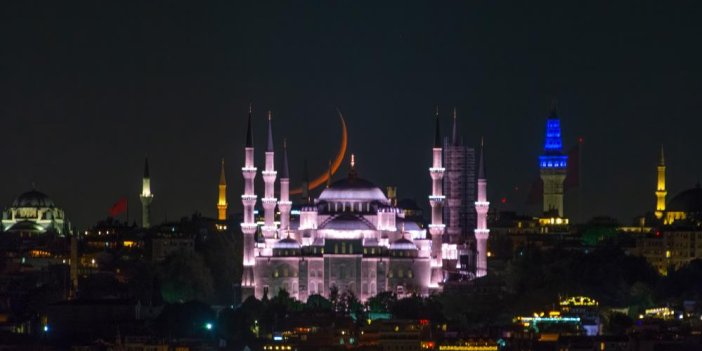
(208, 326)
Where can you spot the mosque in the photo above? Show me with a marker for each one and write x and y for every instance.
(351, 236)
(34, 213)
(684, 209)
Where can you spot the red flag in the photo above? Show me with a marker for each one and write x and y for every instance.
(118, 207)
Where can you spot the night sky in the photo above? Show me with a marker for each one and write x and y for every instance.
(87, 89)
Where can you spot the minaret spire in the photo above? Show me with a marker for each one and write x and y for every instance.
(248, 226)
(146, 196)
(269, 145)
(482, 233)
(285, 172)
(660, 186)
(481, 164)
(329, 174)
(454, 129)
(284, 205)
(437, 133)
(269, 201)
(222, 199)
(249, 131)
(436, 200)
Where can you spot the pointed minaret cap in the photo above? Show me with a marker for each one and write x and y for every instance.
(437, 135)
(269, 146)
(454, 130)
(285, 171)
(553, 114)
(249, 131)
(352, 171)
(661, 161)
(222, 178)
(481, 165)
(146, 167)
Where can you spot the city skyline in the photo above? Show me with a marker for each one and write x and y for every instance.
(84, 119)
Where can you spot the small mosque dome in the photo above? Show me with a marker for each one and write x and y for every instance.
(403, 244)
(688, 201)
(287, 243)
(33, 198)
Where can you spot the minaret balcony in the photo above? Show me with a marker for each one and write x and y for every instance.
(284, 206)
(249, 172)
(269, 201)
(249, 228)
(437, 170)
(436, 229)
(482, 206)
(482, 234)
(248, 200)
(436, 200)
(269, 176)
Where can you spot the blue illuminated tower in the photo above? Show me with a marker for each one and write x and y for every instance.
(552, 164)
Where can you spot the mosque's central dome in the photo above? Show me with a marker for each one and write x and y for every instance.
(353, 189)
(33, 198)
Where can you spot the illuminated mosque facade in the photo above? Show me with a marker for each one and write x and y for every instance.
(351, 236)
(34, 213)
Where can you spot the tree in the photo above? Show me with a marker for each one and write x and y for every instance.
(318, 303)
(217, 251)
(184, 277)
(382, 302)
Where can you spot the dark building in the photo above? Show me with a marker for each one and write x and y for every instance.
(459, 188)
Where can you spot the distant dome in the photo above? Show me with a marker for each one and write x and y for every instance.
(287, 243)
(689, 201)
(33, 198)
(403, 244)
(355, 189)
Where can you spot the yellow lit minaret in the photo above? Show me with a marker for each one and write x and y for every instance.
(222, 201)
(660, 188)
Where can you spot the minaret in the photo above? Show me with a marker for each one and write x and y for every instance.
(305, 195)
(269, 175)
(146, 197)
(285, 204)
(222, 200)
(481, 208)
(553, 166)
(660, 188)
(436, 200)
(248, 227)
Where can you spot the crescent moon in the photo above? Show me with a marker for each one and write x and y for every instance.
(334, 166)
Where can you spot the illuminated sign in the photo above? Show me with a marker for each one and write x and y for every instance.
(578, 301)
(468, 348)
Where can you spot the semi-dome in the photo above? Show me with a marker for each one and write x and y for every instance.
(353, 189)
(33, 198)
(689, 201)
(403, 244)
